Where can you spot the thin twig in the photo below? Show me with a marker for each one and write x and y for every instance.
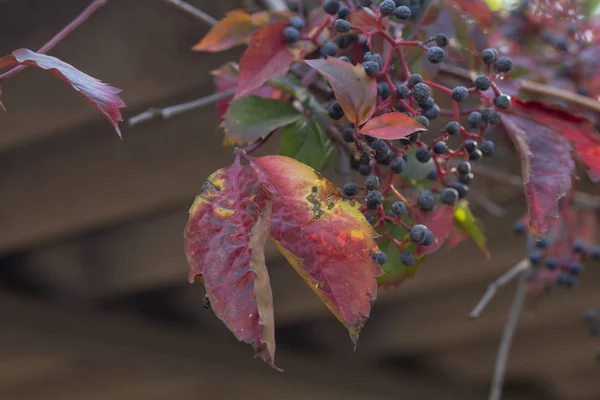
(535, 88)
(580, 199)
(168, 112)
(344, 168)
(493, 287)
(193, 11)
(85, 14)
(507, 337)
(484, 201)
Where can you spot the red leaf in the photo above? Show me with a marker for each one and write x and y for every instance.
(104, 97)
(440, 222)
(266, 57)
(324, 237)
(546, 165)
(390, 126)
(225, 238)
(353, 89)
(363, 18)
(234, 29)
(227, 77)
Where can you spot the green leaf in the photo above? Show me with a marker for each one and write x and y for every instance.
(591, 7)
(306, 141)
(251, 118)
(467, 223)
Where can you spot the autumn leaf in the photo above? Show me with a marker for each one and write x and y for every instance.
(467, 226)
(306, 141)
(234, 29)
(324, 237)
(225, 237)
(226, 78)
(252, 118)
(546, 167)
(477, 9)
(439, 222)
(363, 18)
(266, 57)
(353, 89)
(394, 125)
(104, 97)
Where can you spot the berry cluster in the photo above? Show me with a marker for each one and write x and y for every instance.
(561, 261)
(389, 193)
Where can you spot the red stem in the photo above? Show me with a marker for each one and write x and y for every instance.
(85, 14)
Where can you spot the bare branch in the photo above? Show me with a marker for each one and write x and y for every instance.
(168, 112)
(484, 201)
(193, 11)
(507, 337)
(344, 164)
(493, 287)
(85, 14)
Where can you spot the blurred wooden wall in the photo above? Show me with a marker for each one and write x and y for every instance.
(94, 297)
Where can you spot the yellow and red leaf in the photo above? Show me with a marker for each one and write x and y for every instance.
(324, 236)
(234, 29)
(225, 236)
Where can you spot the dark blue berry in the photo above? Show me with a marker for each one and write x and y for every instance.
(432, 175)
(551, 263)
(462, 189)
(441, 40)
(474, 119)
(331, 6)
(504, 64)
(435, 54)
(562, 279)
(452, 128)
(579, 247)
(364, 3)
(373, 199)
(433, 112)
(387, 7)
(463, 168)
(344, 12)
(378, 59)
(418, 233)
(329, 49)
(595, 253)
(402, 92)
(470, 145)
(387, 160)
(482, 83)
(489, 116)
(427, 104)
(440, 148)
(408, 259)
(386, 92)
(423, 120)
(297, 22)
(372, 182)
(519, 227)
(489, 56)
(371, 68)
(380, 257)
(399, 208)
(413, 80)
(487, 148)
(345, 59)
(350, 189)
(291, 35)
(542, 243)
(421, 92)
(417, 135)
(335, 111)
(535, 257)
(423, 154)
(575, 269)
(465, 179)
(398, 165)
(381, 149)
(426, 200)
(502, 101)
(449, 196)
(342, 25)
(364, 169)
(475, 155)
(459, 93)
(402, 13)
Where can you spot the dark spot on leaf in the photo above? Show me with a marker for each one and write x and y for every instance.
(314, 189)
(209, 186)
(316, 208)
(330, 205)
(206, 301)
